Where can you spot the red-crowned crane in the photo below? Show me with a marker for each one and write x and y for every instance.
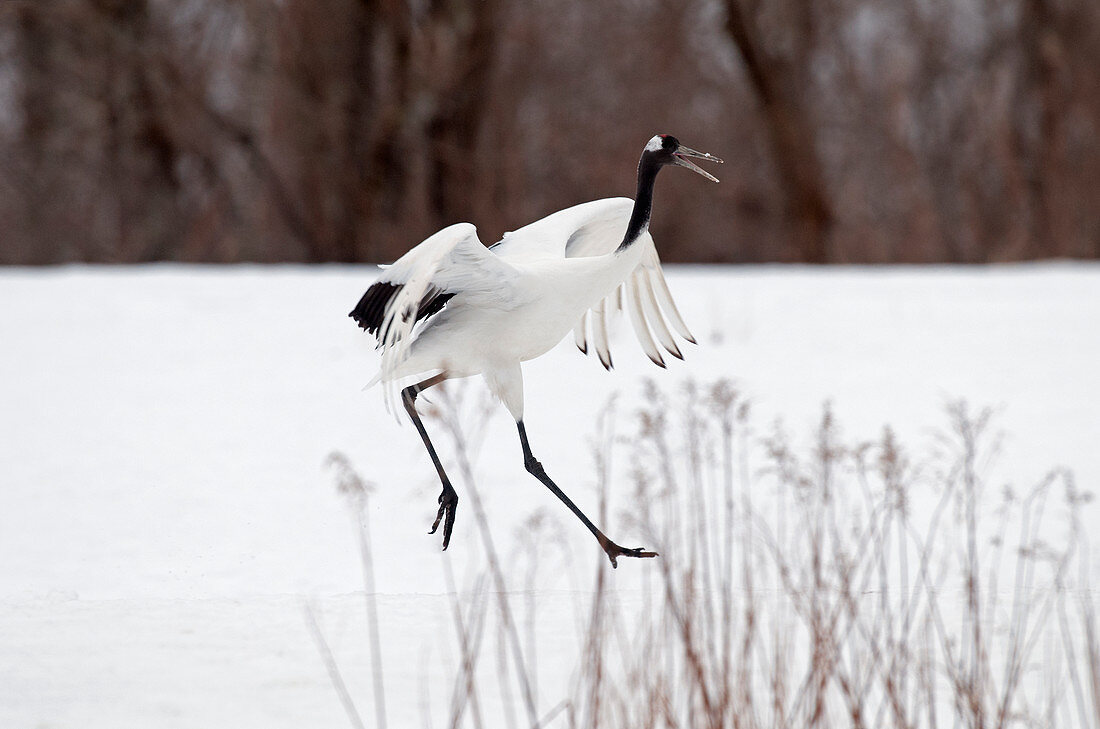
(451, 307)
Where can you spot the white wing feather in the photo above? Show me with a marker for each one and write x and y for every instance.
(641, 281)
(664, 296)
(599, 334)
(579, 334)
(637, 320)
(596, 229)
(590, 229)
(451, 261)
(648, 303)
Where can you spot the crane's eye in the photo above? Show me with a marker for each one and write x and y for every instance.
(669, 142)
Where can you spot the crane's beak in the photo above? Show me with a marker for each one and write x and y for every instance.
(682, 155)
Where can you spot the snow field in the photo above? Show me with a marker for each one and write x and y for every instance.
(167, 509)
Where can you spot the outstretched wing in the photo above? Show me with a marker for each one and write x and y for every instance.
(370, 312)
(649, 306)
(590, 229)
(452, 262)
(596, 229)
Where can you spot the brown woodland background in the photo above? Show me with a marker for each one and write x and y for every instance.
(348, 130)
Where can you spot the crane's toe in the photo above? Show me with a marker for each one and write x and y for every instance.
(614, 551)
(448, 504)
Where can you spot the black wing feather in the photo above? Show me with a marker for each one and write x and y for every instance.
(371, 309)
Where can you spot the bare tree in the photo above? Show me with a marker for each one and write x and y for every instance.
(780, 81)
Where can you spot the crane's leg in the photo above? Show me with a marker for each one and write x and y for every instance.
(448, 500)
(614, 551)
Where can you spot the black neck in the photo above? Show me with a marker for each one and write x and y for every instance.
(643, 201)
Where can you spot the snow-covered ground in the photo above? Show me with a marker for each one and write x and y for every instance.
(166, 512)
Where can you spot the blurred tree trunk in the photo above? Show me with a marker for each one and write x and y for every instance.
(102, 184)
(352, 241)
(455, 127)
(1039, 105)
(387, 180)
(315, 124)
(37, 104)
(141, 150)
(381, 120)
(779, 85)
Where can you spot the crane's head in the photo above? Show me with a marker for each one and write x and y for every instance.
(665, 149)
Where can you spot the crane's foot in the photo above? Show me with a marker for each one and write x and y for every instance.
(448, 503)
(614, 551)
